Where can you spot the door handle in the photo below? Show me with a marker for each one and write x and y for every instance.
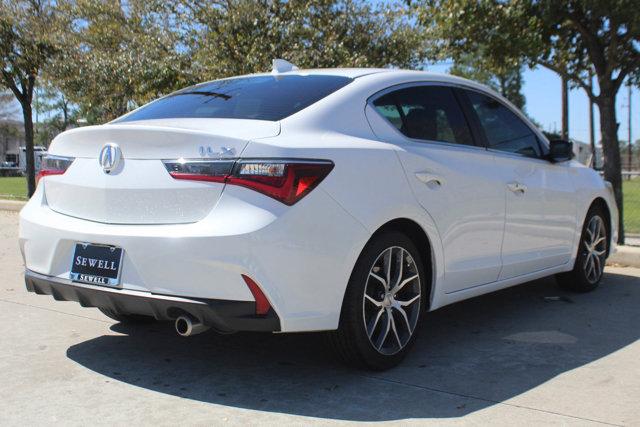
(430, 179)
(516, 187)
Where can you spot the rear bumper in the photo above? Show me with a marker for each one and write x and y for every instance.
(223, 315)
(300, 256)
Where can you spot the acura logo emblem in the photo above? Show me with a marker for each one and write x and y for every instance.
(109, 157)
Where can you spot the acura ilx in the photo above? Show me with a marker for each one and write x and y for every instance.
(350, 201)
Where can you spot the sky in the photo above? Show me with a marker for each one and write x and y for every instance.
(542, 90)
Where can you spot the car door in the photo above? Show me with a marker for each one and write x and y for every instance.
(450, 176)
(540, 198)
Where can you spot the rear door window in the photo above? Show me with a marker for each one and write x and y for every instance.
(429, 113)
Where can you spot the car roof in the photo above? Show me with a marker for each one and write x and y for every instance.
(386, 74)
(360, 72)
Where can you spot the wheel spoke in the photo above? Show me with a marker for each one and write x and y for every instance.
(598, 229)
(372, 325)
(597, 266)
(373, 301)
(409, 302)
(383, 336)
(404, 316)
(395, 331)
(586, 261)
(380, 279)
(590, 233)
(591, 266)
(401, 285)
(388, 267)
(400, 261)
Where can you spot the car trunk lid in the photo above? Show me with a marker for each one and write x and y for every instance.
(139, 190)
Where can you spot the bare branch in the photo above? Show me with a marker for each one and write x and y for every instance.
(573, 77)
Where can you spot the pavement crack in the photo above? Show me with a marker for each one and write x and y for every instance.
(496, 402)
(53, 311)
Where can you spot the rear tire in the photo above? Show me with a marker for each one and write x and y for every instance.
(592, 254)
(126, 318)
(383, 304)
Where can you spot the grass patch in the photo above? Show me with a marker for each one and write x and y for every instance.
(13, 188)
(631, 192)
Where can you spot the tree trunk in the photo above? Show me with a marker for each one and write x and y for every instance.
(611, 151)
(27, 115)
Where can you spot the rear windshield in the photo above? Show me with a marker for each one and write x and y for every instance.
(259, 98)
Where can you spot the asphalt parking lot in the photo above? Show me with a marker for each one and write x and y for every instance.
(531, 354)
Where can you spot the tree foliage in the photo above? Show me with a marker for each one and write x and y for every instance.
(242, 36)
(27, 44)
(118, 55)
(507, 81)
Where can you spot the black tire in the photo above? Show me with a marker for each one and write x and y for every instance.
(351, 342)
(582, 278)
(126, 318)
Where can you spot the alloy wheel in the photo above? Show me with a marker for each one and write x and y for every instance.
(594, 249)
(391, 302)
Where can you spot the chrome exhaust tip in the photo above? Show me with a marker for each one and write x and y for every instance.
(187, 326)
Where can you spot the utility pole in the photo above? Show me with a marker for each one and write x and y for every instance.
(565, 109)
(629, 124)
(592, 132)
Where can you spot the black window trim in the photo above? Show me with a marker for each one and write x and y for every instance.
(370, 102)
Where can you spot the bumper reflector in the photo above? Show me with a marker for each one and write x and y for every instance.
(262, 303)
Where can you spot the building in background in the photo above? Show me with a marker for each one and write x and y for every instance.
(11, 137)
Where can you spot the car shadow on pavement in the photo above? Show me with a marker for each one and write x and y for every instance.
(468, 356)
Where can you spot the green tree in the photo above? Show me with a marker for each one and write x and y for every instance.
(234, 37)
(120, 55)
(571, 37)
(27, 44)
(506, 81)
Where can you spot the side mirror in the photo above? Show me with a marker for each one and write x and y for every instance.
(560, 151)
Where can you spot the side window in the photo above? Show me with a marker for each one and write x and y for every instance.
(504, 130)
(426, 112)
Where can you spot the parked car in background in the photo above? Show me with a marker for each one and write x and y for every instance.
(345, 200)
(9, 169)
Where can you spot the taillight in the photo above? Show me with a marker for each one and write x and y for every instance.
(54, 165)
(285, 180)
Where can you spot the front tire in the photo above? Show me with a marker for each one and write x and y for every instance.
(383, 304)
(592, 254)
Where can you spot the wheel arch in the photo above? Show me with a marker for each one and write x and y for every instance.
(420, 238)
(601, 203)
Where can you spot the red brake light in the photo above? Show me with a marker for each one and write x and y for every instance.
(53, 165)
(285, 180)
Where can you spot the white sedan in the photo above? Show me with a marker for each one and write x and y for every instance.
(345, 200)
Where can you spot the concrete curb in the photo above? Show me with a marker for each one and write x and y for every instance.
(11, 205)
(628, 256)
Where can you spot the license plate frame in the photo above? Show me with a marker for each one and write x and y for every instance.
(96, 264)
